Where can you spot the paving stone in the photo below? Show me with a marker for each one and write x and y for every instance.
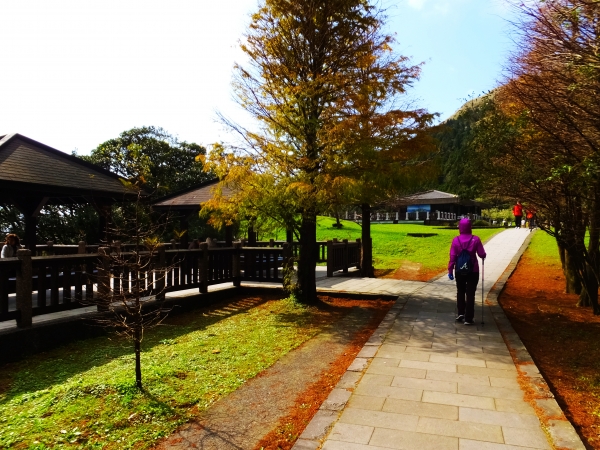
(304, 444)
(320, 425)
(384, 362)
(525, 437)
(358, 365)
(507, 419)
(366, 402)
(458, 377)
(368, 351)
(340, 445)
(458, 361)
(443, 427)
(430, 385)
(370, 379)
(336, 400)
(489, 391)
(550, 407)
(486, 372)
(467, 444)
(349, 432)
(396, 371)
(380, 419)
(389, 392)
(349, 380)
(428, 365)
(504, 382)
(469, 401)
(501, 366)
(564, 435)
(408, 440)
(507, 359)
(420, 409)
(508, 405)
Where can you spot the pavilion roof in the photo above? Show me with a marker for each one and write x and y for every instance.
(434, 197)
(190, 198)
(30, 167)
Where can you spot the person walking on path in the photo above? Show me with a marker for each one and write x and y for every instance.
(518, 213)
(531, 217)
(463, 262)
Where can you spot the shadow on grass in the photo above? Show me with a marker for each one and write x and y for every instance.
(41, 371)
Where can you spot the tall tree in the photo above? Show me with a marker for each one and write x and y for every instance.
(168, 164)
(323, 82)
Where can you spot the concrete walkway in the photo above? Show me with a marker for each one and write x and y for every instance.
(425, 382)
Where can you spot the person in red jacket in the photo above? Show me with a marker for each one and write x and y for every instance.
(531, 217)
(518, 213)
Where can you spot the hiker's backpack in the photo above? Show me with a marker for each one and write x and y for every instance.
(464, 265)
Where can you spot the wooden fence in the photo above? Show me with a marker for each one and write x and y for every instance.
(31, 286)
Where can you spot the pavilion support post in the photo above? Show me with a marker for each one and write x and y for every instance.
(367, 243)
(31, 208)
(236, 264)
(24, 289)
(203, 269)
(228, 236)
(289, 236)
(184, 225)
(251, 236)
(104, 219)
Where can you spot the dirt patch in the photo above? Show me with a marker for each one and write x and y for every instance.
(271, 410)
(408, 270)
(561, 338)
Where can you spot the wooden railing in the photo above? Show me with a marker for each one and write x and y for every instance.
(31, 286)
(342, 255)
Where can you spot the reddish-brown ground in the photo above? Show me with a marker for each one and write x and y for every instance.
(284, 435)
(407, 271)
(563, 340)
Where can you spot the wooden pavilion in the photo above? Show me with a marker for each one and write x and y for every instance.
(436, 205)
(33, 175)
(188, 202)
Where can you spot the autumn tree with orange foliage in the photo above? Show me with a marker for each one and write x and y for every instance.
(539, 139)
(325, 87)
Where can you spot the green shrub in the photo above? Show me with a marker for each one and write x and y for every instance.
(481, 223)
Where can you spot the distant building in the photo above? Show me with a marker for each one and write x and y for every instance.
(436, 206)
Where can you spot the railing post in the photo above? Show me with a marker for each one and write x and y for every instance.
(359, 253)
(345, 255)
(330, 258)
(103, 278)
(203, 269)
(160, 269)
(81, 249)
(50, 249)
(236, 264)
(173, 244)
(406, 215)
(24, 289)
(271, 242)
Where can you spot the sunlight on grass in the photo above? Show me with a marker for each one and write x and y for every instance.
(83, 395)
(544, 249)
(391, 245)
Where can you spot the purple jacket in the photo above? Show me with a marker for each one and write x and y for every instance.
(461, 242)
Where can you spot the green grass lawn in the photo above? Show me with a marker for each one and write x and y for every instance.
(543, 248)
(83, 396)
(391, 245)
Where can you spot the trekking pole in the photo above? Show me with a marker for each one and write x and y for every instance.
(482, 280)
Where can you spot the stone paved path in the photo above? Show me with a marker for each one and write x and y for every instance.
(425, 382)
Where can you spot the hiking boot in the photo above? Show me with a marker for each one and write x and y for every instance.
(460, 318)
(469, 322)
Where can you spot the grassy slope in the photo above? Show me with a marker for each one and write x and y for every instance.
(543, 248)
(82, 395)
(391, 245)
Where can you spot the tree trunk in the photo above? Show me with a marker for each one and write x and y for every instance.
(367, 243)
(570, 270)
(307, 261)
(590, 291)
(138, 362)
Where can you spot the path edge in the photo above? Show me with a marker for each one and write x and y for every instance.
(331, 409)
(559, 429)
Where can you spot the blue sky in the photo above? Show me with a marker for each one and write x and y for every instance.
(76, 74)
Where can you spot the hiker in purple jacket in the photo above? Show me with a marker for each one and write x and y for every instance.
(466, 283)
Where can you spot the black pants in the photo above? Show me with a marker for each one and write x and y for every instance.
(466, 285)
(518, 221)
